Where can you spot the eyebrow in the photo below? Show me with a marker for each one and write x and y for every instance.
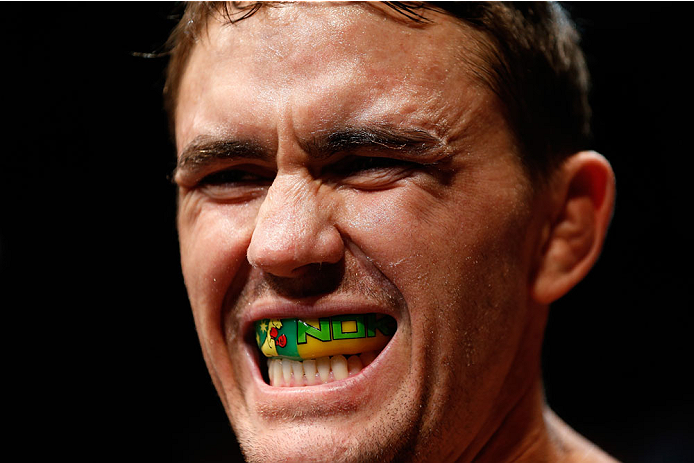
(205, 150)
(349, 139)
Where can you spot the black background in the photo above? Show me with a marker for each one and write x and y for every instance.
(102, 358)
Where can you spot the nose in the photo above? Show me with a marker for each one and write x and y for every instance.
(294, 229)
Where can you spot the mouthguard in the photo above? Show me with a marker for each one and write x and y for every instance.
(350, 334)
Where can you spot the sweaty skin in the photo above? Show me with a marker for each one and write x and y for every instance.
(333, 160)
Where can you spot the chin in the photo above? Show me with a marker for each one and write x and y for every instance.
(370, 415)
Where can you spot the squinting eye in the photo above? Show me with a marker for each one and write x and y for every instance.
(235, 184)
(234, 177)
(364, 164)
(369, 172)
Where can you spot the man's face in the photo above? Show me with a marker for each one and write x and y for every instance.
(334, 160)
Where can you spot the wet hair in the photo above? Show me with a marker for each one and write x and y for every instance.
(530, 57)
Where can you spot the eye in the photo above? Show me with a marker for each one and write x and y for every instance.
(365, 164)
(236, 183)
(232, 177)
(369, 171)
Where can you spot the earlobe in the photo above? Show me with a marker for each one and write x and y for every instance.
(583, 192)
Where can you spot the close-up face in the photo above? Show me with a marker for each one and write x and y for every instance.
(338, 161)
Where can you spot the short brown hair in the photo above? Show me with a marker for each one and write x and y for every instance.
(531, 60)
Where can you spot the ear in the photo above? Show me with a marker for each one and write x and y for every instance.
(582, 199)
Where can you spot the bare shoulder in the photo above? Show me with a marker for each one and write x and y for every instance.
(571, 446)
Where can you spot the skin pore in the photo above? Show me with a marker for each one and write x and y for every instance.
(322, 175)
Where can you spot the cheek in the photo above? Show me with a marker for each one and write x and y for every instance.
(458, 262)
(412, 236)
(456, 258)
(213, 241)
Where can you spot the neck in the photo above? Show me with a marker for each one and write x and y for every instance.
(515, 429)
(531, 432)
(522, 434)
(523, 428)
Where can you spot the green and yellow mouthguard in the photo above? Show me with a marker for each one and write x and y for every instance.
(297, 339)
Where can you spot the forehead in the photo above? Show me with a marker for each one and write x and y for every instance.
(317, 63)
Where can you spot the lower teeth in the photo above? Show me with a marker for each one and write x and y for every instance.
(293, 373)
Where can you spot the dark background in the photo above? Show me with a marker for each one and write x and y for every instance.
(102, 359)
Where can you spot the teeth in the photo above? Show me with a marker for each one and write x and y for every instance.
(310, 372)
(276, 372)
(285, 372)
(339, 366)
(297, 372)
(323, 364)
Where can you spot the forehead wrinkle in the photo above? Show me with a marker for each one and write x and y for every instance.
(292, 38)
(326, 95)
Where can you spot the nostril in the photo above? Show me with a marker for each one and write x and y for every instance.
(277, 263)
(308, 281)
